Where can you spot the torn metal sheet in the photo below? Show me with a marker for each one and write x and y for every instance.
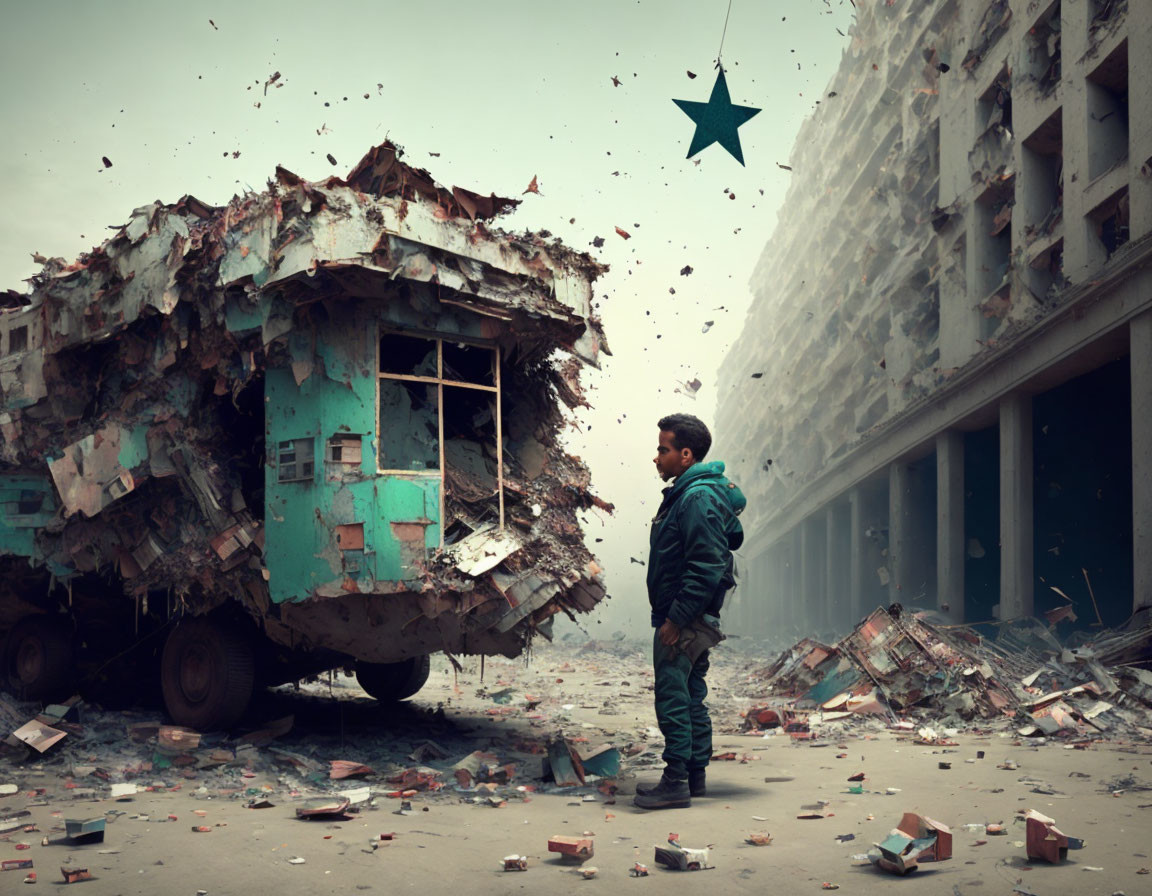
(483, 550)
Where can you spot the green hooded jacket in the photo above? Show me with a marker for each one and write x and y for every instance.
(693, 535)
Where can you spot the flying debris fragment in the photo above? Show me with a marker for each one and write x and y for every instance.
(708, 324)
(785, 167)
(533, 187)
(623, 233)
(107, 161)
(686, 270)
(275, 77)
(331, 159)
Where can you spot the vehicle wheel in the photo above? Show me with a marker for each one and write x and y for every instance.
(206, 674)
(38, 659)
(389, 682)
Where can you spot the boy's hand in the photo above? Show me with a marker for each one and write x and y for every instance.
(669, 633)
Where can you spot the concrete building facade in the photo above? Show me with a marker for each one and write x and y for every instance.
(943, 393)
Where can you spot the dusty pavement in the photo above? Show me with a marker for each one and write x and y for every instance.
(594, 694)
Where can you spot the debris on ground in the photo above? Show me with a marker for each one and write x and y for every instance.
(1045, 841)
(678, 858)
(897, 664)
(572, 849)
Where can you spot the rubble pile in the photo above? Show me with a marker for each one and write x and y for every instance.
(897, 664)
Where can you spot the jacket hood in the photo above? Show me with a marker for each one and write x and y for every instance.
(711, 474)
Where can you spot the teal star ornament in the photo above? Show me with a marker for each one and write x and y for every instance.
(717, 120)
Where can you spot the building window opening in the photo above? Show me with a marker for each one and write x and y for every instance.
(1107, 88)
(1043, 45)
(993, 26)
(409, 426)
(440, 412)
(993, 254)
(295, 460)
(469, 364)
(18, 339)
(1104, 12)
(407, 355)
(1046, 272)
(1111, 223)
(1042, 179)
(994, 108)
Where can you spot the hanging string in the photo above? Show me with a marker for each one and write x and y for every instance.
(723, 35)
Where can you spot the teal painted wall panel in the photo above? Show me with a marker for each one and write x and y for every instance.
(27, 503)
(339, 396)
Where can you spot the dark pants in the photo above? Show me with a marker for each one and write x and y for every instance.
(680, 710)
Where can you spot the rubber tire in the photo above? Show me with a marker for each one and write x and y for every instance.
(391, 682)
(206, 674)
(38, 659)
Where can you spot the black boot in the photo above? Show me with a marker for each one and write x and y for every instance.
(696, 784)
(668, 794)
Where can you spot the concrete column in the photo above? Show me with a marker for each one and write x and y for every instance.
(950, 541)
(1081, 254)
(856, 570)
(1139, 122)
(1140, 334)
(831, 567)
(899, 530)
(780, 559)
(794, 617)
(1016, 578)
(836, 581)
(807, 615)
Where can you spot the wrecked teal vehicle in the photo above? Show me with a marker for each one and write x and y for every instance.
(315, 428)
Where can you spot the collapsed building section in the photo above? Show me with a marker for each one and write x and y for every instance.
(947, 355)
(328, 413)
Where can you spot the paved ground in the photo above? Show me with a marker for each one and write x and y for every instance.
(600, 696)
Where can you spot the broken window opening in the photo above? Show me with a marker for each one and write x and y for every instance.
(1107, 89)
(1111, 222)
(1042, 178)
(440, 410)
(993, 260)
(408, 427)
(18, 339)
(1044, 49)
(411, 355)
(1105, 11)
(1046, 272)
(993, 26)
(295, 460)
(469, 364)
(994, 108)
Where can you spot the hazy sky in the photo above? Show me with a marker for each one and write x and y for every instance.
(501, 91)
